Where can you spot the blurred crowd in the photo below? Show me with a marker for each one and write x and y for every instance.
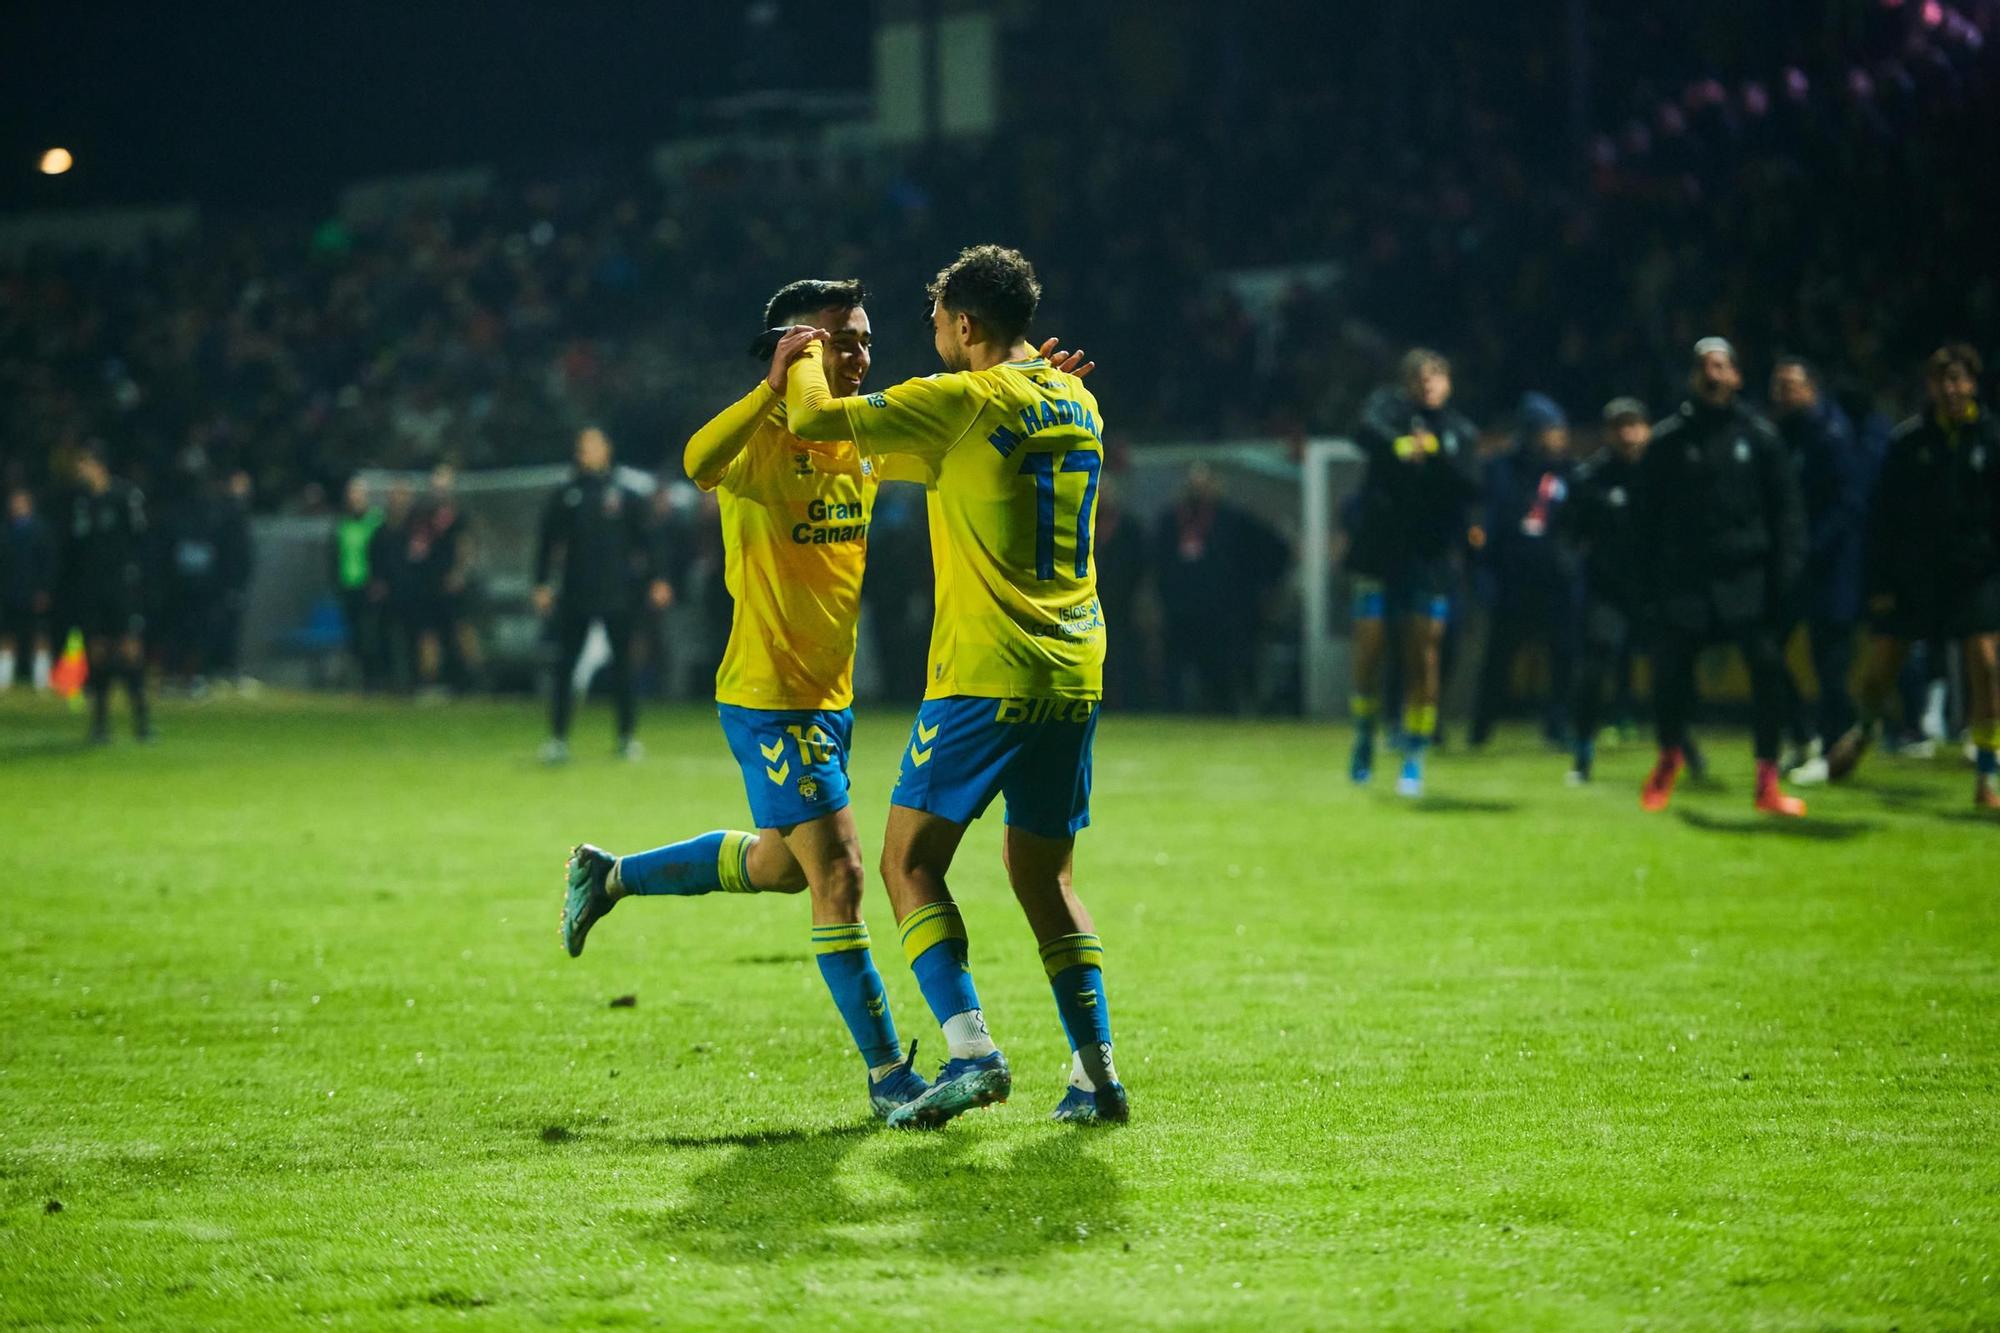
(1243, 234)
(1834, 208)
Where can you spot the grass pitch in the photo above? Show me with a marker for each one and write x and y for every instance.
(286, 1034)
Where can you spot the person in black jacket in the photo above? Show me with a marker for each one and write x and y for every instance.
(1834, 477)
(597, 529)
(1723, 541)
(1411, 517)
(27, 588)
(103, 566)
(1600, 523)
(1934, 559)
(1530, 577)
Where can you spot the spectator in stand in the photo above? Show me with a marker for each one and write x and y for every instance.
(392, 573)
(362, 607)
(1934, 560)
(1722, 529)
(1529, 576)
(441, 556)
(1833, 481)
(1413, 514)
(595, 528)
(27, 590)
(1214, 563)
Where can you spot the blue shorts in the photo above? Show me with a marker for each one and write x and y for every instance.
(794, 761)
(1421, 591)
(964, 751)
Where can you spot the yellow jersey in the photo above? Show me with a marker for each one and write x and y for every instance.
(794, 538)
(1010, 457)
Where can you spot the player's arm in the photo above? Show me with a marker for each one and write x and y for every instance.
(716, 446)
(923, 417)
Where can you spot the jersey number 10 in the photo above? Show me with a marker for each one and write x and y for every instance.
(1042, 467)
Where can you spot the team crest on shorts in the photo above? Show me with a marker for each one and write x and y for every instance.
(809, 787)
(802, 463)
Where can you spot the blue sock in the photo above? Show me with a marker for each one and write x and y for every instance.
(849, 971)
(1987, 760)
(1586, 754)
(934, 943)
(713, 861)
(1075, 966)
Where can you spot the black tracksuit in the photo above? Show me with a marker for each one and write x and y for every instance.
(598, 528)
(1934, 531)
(1600, 522)
(104, 547)
(1723, 537)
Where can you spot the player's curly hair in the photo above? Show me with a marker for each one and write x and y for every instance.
(1955, 356)
(808, 296)
(994, 285)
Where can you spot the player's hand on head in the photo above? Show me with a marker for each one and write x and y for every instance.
(1070, 363)
(790, 348)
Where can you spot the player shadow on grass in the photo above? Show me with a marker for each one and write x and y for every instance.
(1909, 798)
(1436, 803)
(1810, 830)
(789, 1195)
(44, 746)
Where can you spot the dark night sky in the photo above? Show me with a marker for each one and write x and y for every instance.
(283, 101)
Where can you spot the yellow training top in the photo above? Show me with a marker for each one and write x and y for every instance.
(1011, 458)
(794, 539)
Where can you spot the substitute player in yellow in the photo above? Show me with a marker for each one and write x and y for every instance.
(1011, 450)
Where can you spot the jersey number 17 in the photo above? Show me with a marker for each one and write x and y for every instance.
(1044, 469)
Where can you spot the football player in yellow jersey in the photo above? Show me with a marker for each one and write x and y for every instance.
(1010, 449)
(795, 517)
(795, 532)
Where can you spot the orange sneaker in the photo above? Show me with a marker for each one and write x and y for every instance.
(1771, 798)
(1985, 792)
(1659, 788)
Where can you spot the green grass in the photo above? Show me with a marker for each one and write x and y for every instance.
(286, 1030)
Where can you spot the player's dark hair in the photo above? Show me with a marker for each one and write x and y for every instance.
(810, 295)
(1419, 359)
(1955, 356)
(994, 285)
